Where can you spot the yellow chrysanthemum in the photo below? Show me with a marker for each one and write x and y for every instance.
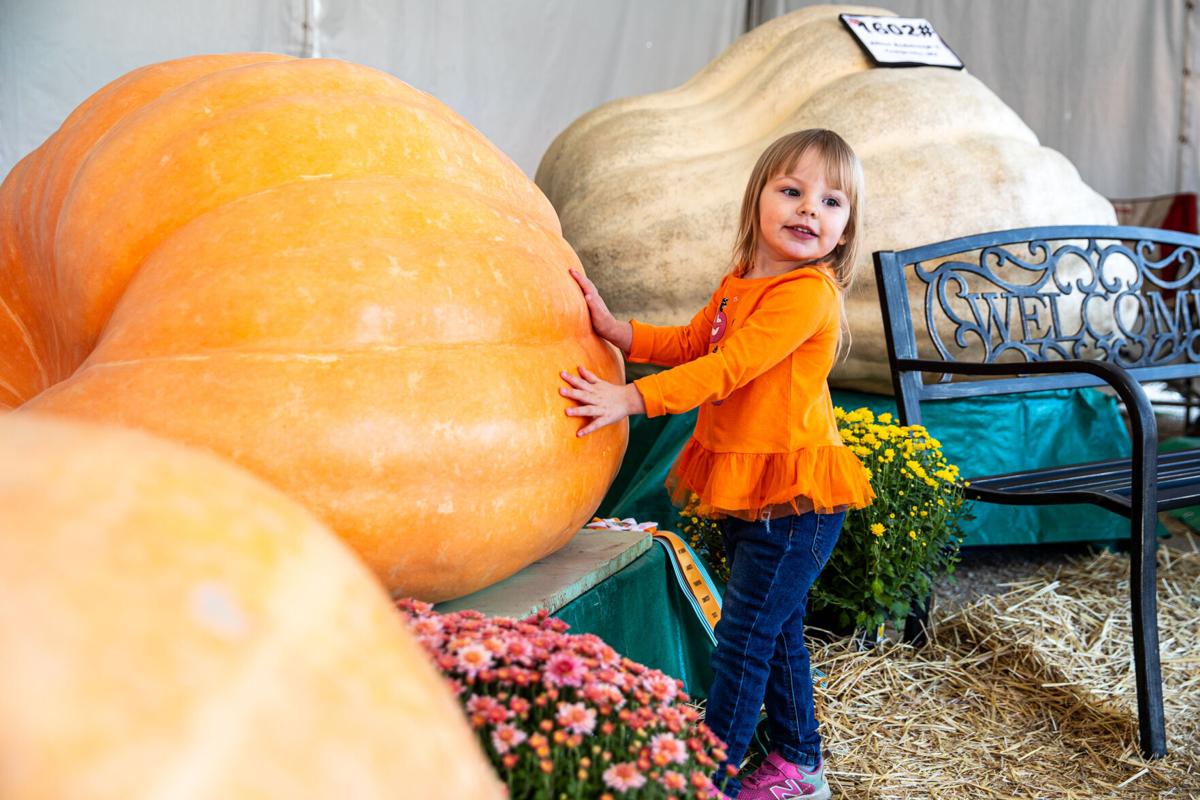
(863, 415)
(877, 528)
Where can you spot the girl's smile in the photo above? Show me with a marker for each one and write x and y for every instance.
(802, 218)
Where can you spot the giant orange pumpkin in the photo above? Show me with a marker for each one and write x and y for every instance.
(327, 276)
(173, 627)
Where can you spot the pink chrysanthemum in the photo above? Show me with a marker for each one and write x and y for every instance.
(604, 694)
(531, 690)
(506, 737)
(666, 749)
(473, 658)
(662, 688)
(427, 626)
(673, 781)
(576, 718)
(518, 650)
(488, 708)
(564, 669)
(624, 776)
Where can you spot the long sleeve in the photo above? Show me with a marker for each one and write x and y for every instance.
(787, 316)
(765, 435)
(673, 345)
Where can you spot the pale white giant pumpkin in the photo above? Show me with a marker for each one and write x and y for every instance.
(648, 188)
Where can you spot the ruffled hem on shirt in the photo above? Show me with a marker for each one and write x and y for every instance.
(826, 479)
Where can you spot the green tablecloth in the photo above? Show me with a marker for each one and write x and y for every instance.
(983, 436)
(642, 613)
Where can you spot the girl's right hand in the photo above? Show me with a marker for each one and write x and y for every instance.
(604, 323)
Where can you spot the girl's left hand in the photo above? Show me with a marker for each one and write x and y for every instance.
(604, 402)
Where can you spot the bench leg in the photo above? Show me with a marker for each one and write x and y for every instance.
(1143, 586)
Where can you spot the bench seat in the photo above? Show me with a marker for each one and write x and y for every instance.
(1104, 483)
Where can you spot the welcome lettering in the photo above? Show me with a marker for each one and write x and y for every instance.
(999, 316)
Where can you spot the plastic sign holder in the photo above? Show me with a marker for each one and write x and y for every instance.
(900, 41)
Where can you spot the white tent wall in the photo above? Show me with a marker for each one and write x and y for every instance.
(1110, 84)
(519, 70)
(55, 53)
(523, 70)
(1102, 81)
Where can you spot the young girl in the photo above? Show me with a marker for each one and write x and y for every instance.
(765, 459)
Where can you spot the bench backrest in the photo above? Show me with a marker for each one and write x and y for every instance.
(1128, 296)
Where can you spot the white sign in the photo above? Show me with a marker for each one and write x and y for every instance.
(901, 42)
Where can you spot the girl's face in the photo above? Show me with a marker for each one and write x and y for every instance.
(801, 217)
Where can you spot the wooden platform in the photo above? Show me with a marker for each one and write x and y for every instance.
(560, 577)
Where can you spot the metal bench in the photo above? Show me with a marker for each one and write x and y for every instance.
(1050, 308)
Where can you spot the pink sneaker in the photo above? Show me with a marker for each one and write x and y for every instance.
(778, 779)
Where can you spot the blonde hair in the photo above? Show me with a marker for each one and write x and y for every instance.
(842, 169)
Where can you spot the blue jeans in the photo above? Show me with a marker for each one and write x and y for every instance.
(760, 654)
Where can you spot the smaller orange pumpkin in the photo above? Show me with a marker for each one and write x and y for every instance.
(173, 627)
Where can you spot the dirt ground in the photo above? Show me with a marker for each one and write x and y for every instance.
(987, 570)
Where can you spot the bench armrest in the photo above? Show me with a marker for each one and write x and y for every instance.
(1141, 413)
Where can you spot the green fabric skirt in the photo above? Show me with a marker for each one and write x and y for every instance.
(982, 436)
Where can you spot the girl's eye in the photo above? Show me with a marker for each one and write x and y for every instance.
(832, 201)
(790, 192)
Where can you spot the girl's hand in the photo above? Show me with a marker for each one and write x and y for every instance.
(604, 402)
(604, 323)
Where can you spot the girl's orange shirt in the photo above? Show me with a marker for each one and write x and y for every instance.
(755, 361)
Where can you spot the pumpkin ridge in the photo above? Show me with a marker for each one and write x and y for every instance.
(387, 87)
(322, 356)
(491, 200)
(27, 340)
(17, 399)
(159, 221)
(68, 148)
(539, 262)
